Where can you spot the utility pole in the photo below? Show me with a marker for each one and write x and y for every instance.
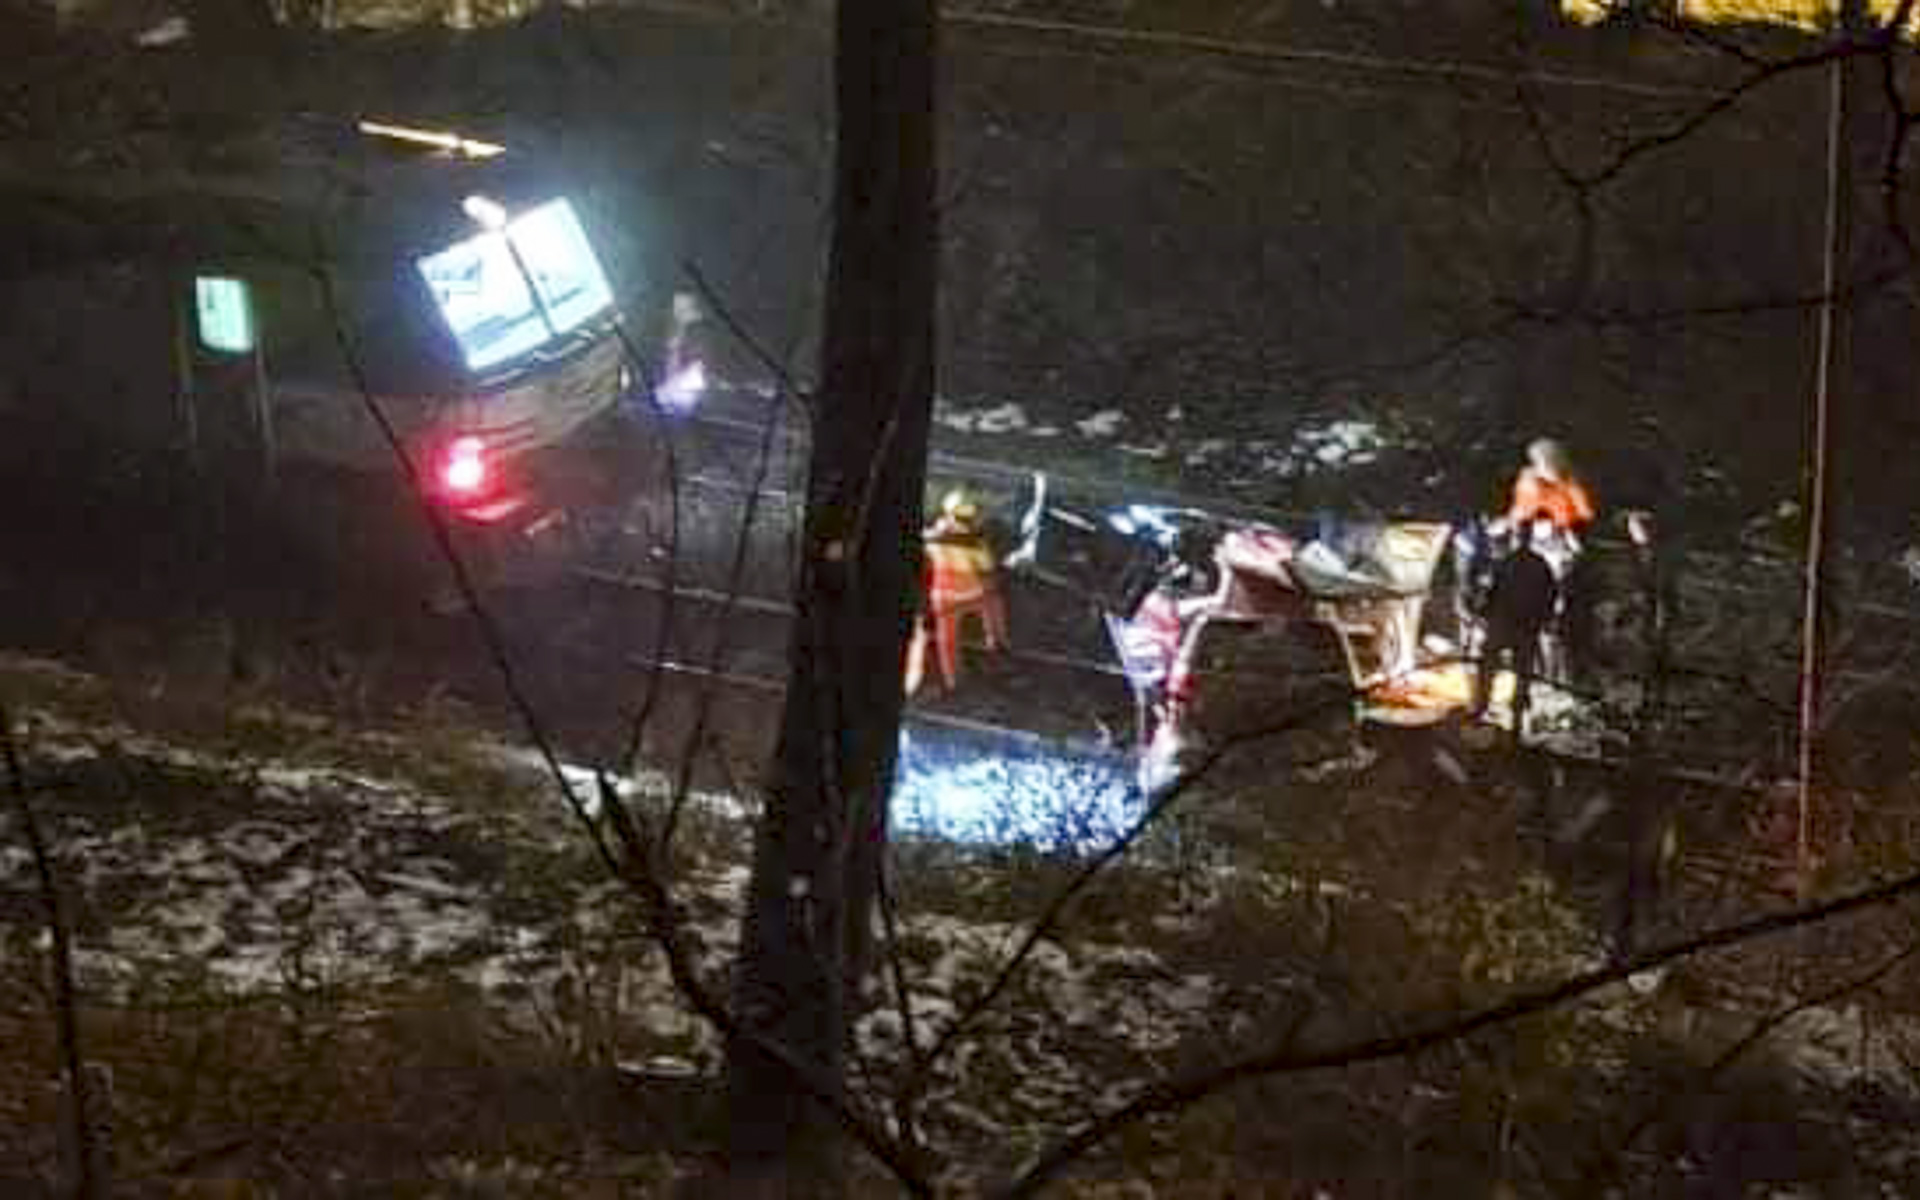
(1835, 250)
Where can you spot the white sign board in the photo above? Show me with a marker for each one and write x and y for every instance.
(225, 313)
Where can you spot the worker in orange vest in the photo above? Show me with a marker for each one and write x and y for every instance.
(962, 580)
(1550, 493)
(1548, 488)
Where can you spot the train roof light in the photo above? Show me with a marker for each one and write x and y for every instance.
(487, 214)
(452, 143)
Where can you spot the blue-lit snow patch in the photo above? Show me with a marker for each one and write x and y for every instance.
(982, 788)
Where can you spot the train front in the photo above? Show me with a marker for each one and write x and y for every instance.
(524, 297)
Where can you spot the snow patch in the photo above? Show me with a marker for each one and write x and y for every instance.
(1341, 443)
(1002, 418)
(1007, 418)
(1909, 564)
(169, 32)
(1206, 450)
(1103, 424)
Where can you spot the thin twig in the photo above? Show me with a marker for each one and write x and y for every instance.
(628, 861)
(1699, 118)
(1048, 921)
(1176, 1094)
(663, 637)
(903, 1001)
(1762, 1029)
(1693, 31)
(492, 636)
(66, 1012)
(663, 920)
(722, 640)
(1580, 271)
(1893, 165)
(783, 378)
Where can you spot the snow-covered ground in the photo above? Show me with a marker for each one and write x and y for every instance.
(1312, 447)
(192, 869)
(203, 871)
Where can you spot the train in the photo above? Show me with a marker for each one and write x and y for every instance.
(364, 301)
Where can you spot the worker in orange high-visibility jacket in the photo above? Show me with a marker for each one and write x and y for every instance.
(962, 580)
(1547, 489)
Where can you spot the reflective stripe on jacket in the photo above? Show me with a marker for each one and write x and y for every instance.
(959, 570)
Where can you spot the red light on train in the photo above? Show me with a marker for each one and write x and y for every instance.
(464, 472)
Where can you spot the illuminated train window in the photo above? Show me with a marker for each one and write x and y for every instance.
(508, 291)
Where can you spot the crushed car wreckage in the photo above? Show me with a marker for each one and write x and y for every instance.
(1221, 623)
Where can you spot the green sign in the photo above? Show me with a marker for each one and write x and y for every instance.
(226, 314)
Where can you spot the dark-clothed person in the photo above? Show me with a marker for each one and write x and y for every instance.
(1518, 609)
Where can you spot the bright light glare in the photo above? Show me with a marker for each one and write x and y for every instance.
(993, 790)
(684, 387)
(466, 466)
(562, 263)
(484, 300)
(483, 293)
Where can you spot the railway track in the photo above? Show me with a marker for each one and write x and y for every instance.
(969, 469)
(1713, 572)
(767, 606)
(1030, 696)
(1067, 736)
(915, 715)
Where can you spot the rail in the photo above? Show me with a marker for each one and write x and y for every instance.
(978, 470)
(913, 716)
(781, 608)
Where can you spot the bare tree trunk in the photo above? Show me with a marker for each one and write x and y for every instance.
(805, 938)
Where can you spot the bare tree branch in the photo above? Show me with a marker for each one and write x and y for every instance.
(1699, 35)
(1763, 1029)
(1882, 44)
(1049, 919)
(1894, 161)
(89, 1182)
(782, 376)
(663, 637)
(663, 920)
(1176, 1094)
(1704, 115)
(736, 578)
(903, 1001)
(627, 860)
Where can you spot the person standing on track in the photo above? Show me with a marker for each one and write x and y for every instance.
(1519, 607)
(962, 580)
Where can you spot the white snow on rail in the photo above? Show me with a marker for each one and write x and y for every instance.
(1103, 424)
(1003, 418)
